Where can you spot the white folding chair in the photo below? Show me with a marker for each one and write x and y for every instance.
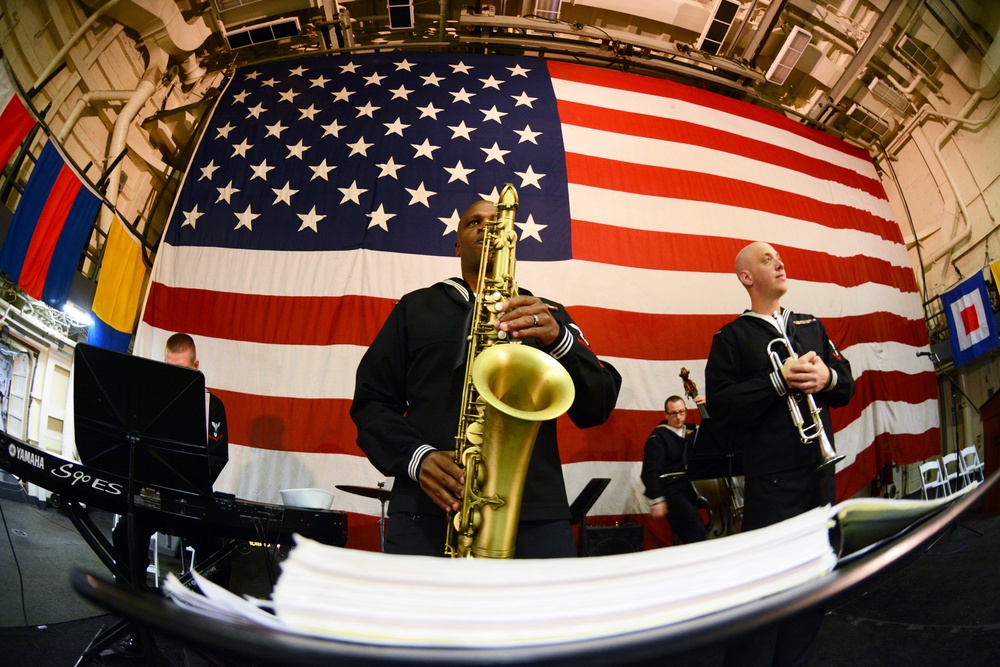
(972, 468)
(952, 472)
(933, 483)
(154, 563)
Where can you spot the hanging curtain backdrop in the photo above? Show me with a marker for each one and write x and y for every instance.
(327, 188)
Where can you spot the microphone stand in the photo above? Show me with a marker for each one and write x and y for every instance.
(940, 369)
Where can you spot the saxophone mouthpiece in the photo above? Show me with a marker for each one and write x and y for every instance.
(508, 198)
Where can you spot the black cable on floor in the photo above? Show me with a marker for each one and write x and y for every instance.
(13, 552)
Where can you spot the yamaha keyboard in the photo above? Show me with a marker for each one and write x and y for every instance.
(172, 512)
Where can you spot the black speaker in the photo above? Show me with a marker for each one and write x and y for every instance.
(255, 568)
(609, 540)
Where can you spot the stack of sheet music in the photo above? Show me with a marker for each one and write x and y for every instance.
(389, 600)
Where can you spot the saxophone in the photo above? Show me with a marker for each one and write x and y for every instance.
(510, 389)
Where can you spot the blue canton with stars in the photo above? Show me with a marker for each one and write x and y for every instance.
(380, 151)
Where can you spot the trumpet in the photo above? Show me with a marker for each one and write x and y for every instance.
(813, 431)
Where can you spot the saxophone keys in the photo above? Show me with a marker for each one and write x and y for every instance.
(474, 433)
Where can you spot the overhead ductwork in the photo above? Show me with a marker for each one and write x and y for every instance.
(161, 24)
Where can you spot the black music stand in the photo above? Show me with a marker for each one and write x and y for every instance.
(581, 505)
(144, 421)
(712, 455)
(141, 419)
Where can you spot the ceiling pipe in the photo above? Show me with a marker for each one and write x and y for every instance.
(960, 120)
(910, 87)
(88, 99)
(158, 60)
(70, 43)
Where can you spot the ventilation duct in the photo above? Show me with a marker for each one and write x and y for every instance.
(947, 19)
(889, 95)
(717, 28)
(867, 120)
(400, 14)
(789, 54)
(548, 9)
(259, 33)
(917, 55)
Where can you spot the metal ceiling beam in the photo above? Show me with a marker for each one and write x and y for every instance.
(598, 39)
(767, 23)
(879, 31)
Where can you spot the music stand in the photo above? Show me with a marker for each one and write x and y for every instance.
(141, 419)
(144, 421)
(581, 505)
(712, 456)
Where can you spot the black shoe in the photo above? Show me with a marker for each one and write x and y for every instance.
(130, 646)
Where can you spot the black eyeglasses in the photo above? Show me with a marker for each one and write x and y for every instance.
(677, 413)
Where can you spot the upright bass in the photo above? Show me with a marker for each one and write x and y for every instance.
(691, 390)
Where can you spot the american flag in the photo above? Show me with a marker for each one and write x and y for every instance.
(326, 188)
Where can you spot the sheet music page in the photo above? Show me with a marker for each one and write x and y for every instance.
(215, 601)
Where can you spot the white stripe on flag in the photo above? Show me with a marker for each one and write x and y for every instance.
(688, 157)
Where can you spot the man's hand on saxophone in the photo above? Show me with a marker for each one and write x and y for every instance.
(442, 480)
(528, 317)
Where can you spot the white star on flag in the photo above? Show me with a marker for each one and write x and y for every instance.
(379, 218)
(246, 218)
(310, 219)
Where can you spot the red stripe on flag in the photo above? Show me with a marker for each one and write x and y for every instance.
(875, 328)
(282, 423)
(688, 185)
(324, 426)
(614, 333)
(259, 318)
(621, 438)
(652, 336)
(667, 251)
(668, 129)
(50, 223)
(668, 89)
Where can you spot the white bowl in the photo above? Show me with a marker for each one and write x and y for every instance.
(314, 499)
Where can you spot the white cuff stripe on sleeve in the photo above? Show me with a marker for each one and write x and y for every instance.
(563, 346)
(414, 468)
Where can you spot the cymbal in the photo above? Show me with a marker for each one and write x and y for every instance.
(379, 494)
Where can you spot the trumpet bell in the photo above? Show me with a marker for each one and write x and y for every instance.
(828, 455)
